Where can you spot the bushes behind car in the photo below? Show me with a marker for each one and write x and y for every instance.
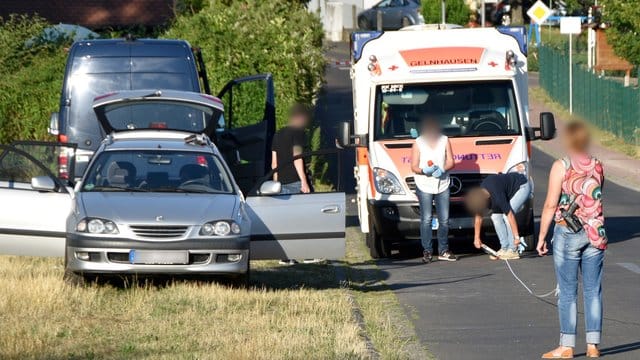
(30, 78)
(246, 37)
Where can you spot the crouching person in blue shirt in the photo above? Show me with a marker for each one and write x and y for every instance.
(504, 195)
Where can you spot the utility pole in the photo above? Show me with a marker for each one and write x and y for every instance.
(444, 12)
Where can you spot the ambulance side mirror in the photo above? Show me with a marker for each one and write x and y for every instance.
(547, 126)
(345, 139)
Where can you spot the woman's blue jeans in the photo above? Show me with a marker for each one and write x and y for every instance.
(572, 252)
(442, 211)
(500, 221)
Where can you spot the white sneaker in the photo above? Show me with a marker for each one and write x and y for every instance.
(510, 255)
(499, 253)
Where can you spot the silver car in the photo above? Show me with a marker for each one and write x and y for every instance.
(158, 198)
(395, 14)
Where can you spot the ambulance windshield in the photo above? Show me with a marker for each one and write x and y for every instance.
(486, 108)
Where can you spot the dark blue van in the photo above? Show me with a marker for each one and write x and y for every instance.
(98, 67)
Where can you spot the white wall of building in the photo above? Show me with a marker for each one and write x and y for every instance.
(349, 10)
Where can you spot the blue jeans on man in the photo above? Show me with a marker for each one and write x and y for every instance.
(573, 252)
(500, 221)
(291, 188)
(426, 201)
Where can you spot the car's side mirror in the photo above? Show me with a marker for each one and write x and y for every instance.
(43, 183)
(270, 188)
(547, 126)
(344, 138)
(53, 124)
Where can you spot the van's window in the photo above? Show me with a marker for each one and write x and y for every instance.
(463, 109)
(160, 114)
(158, 171)
(93, 76)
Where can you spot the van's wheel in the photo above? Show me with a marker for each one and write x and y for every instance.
(363, 23)
(378, 246)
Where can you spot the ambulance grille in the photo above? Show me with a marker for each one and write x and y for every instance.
(460, 183)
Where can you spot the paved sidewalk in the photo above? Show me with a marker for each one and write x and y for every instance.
(618, 167)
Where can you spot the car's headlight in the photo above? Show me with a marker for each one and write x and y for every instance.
(220, 228)
(522, 168)
(386, 182)
(97, 226)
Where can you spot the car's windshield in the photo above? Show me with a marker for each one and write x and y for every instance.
(463, 109)
(160, 114)
(157, 171)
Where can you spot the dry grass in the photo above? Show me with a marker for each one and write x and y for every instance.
(42, 317)
(386, 324)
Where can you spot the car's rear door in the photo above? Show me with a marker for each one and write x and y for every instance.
(250, 122)
(300, 226)
(32, 222)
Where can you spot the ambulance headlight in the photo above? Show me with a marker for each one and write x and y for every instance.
(522, 168)
(386, 182)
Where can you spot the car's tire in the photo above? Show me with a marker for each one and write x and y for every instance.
(363, 23)
(378, 246)
(243, 281)
(74, 279)
(405, 22)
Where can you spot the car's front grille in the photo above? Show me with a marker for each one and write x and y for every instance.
(460, 183)
(123, 258)
(159, 231)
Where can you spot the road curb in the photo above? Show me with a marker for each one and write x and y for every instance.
(356, 313)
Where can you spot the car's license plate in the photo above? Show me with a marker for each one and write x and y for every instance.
(158, 257)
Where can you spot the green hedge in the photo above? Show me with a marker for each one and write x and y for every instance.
(253, 36)
(241, 37)
(30, 79)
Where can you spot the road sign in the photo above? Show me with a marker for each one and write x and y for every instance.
(570, 25)
(539, 12)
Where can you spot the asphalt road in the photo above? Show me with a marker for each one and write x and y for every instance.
(474, 308)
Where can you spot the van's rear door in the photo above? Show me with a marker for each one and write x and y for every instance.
(245, 140)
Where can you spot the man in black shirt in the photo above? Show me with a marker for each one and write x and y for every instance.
(287, 143)
(504, 195)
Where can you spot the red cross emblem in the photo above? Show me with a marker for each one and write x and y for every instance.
(493, 64)
(393, 68)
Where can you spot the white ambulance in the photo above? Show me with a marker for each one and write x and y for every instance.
(474, 81)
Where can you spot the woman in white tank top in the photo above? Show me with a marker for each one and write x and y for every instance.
(431, 160)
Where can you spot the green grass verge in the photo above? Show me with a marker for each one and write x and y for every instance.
(604, 138)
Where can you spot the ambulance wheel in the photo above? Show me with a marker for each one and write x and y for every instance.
(378, 246)
(529, 236)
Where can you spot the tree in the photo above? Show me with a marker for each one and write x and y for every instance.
(624, 17)
(457, 12)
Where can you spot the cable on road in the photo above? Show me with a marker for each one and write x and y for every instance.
(552, 292)
(555, 292)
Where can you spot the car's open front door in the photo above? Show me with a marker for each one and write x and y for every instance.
(301, 226)
(245, 140)
(35, 202)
